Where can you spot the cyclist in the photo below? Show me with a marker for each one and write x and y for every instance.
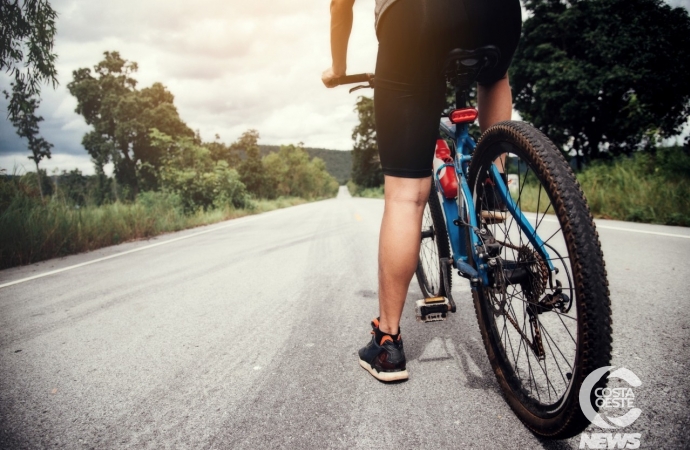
(415, 37)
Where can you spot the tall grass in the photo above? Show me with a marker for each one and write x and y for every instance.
(32, 231)
(531, 199)
(631, 190)
(650, 188)
(359, 191)
(643, 188)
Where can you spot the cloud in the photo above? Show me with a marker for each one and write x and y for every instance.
(231, 65)
(679, 3)
(19, 163)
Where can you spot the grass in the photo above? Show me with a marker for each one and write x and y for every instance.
(359, 191)
(31, 231)
(644, 188)
(628, 190)
(649, 188)
(530, 199)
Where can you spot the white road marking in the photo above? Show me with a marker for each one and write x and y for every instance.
(657, 233)
(607, 227)
(235, 221)
(117, 255)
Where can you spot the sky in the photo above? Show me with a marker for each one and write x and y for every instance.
(232, 65)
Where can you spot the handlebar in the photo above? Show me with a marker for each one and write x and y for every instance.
(357, 78)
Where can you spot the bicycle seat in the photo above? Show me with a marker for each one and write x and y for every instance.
(462, 67)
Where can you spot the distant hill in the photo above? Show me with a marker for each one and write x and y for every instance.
(338, 162)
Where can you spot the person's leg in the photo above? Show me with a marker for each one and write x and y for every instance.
(495, 102)
(497, 23)
(409, 98)
(399, 243)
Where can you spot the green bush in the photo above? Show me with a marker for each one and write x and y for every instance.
(642, 188)
(164, 201)
(31, 230)
(359, 191)
(647, 187)
(189, 171)
(73, 187)
(292, 174)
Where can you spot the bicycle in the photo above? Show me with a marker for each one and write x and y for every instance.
(519, 229)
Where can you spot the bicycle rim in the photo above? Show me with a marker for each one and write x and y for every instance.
(434, 245)
(535, 320)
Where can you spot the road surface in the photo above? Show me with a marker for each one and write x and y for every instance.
(244, 335)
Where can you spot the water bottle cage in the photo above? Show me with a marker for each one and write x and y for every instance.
(438, 171)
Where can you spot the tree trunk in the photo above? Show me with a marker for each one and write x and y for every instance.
(38, 177)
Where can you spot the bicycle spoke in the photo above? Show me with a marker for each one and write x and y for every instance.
(557, 348)
(529, 311)
(538, 381)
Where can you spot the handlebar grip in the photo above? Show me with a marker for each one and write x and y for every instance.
(358, 78)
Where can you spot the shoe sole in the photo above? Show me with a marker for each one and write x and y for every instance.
(384, 376)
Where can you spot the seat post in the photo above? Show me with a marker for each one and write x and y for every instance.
(460, 98)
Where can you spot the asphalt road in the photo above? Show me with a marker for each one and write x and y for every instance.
(244, 335)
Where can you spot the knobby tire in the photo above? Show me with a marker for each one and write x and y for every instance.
(548, 406)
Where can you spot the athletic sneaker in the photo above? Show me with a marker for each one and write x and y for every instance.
(384, 356)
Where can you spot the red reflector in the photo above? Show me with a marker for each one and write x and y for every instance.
(465, 115)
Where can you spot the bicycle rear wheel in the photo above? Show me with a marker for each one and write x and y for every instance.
(434, 246)
(544, 330)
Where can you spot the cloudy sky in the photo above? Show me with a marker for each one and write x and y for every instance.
(231, 65)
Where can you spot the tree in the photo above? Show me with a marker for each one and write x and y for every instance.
(222, 152)
(26, 44)
(292, 173)
(188, 171)
(603, 77)
(26, 121)
(366, 165)
(74, 186)
(251, 169)
(122, 118)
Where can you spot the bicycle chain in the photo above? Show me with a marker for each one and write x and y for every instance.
(532, 289)
(537, 347)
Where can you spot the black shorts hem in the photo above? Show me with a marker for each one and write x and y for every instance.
(407, 173)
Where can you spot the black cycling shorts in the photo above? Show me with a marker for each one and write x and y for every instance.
(415, 37)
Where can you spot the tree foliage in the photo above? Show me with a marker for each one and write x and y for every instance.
(26, 122)
(74, 186)
(338, 162)
(251, 169)
(40, 181)
(603, 77)
(290, 172)
(26, 48)
(188, 170)
(26, 53)
(222, 152)
(122, 118)
(366, 165)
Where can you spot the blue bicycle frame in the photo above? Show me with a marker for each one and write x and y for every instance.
(460, 212)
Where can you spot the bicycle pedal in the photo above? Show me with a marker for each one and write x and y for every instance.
(434, 309)
(493, 216)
